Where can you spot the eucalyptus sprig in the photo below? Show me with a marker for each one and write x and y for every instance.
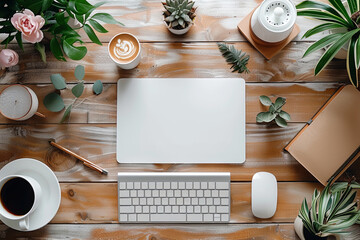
(274, 113)
(54, 102)
(237, 58)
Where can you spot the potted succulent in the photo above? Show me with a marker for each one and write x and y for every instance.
(179, 15)
(342, 20)
(330, 212)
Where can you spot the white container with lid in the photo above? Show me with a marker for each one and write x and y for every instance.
(273, 20)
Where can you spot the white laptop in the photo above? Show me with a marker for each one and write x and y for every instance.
(181, 120)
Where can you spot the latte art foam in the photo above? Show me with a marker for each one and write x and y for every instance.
(124, 49)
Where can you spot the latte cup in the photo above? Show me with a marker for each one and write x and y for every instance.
(14, 196)
(125, 50)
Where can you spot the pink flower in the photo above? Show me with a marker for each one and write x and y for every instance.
(29, 24)
(8, 58)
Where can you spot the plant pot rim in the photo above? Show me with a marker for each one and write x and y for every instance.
(178, 31)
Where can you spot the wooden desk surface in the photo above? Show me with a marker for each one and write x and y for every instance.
(89, 200)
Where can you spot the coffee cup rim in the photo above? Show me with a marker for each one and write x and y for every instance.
(13, 216)
(122, 33)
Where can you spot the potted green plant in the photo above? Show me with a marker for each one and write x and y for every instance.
(179, 15)
(58, 20)
(342, 19)
(331, 212)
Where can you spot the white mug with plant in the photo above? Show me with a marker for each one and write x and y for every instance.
(344, 23)
(179, 15)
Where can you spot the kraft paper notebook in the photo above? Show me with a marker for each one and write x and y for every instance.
(330, 142)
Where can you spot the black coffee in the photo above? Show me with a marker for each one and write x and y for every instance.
(17, 196)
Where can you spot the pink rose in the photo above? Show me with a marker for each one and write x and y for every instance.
(8, 58)
(29, 25)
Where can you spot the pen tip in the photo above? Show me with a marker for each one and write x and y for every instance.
(105, 172)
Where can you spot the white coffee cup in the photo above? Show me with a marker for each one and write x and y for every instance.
(125, 50)
(23, 220)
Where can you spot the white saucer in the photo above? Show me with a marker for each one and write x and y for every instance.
(51, 194)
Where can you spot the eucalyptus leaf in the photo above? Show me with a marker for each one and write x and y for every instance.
(280, 121)
(285, 115)
(79, 72)
(78, 89)
(66, 114)
(53, 102)
(265, 100)
(98, 87)
(265, 117)
(279, 102)
(58, 81)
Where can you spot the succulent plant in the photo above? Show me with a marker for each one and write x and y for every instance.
(179, 13)
(274, 113)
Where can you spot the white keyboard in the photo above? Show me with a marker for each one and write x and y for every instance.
(201, 197)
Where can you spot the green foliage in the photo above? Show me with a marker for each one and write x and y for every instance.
(275, 113)
(236, 58)
(179, 14)
(53, 101)
(332, 210)
(336, 18)
(58, 15)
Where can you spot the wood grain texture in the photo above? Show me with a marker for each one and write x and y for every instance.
(303, 101)
(97, 143)
(178, 60)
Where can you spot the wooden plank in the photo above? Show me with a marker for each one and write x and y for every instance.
(97, 142)
(177, 60)
(97, 202)
(303, 101)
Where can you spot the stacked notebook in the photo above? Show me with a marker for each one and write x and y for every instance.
(330, 142)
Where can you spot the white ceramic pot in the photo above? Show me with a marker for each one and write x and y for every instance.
(299, 229)
(179, 31)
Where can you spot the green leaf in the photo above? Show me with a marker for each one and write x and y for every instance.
(19, 40)
(41, 49)
(338, 5)
(106, 18)
(236, 58)
(66, 114)
(97, 26)
(8, 39)
(91, 34)
(357, 51)
(73, 52)
(78, 89)
(265, 117)
(56, 49)
(34, 5)
(351, 65)
(331, 52)
(53, 102)
(325, 16)
(284, 115)
(79, 72)
(80, 18)
(98, 87)
(279, 102)
(46, 4)
(265, 100)
(325, 41)
(321, 28)
(58, 81)
(280, 121)
(317, 5)
(96, 5)
(352, 5)
(80, 6)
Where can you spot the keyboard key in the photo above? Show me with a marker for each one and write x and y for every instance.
(203, 185)
(199, 193)
(133, 193)
(122, 185)
(209, 201)
(224, 193)
(192, 193)
(155, 193)
(181, 185)
(225, 217)
(216, 201)
(138, 209)
(143, 217)
(188, 185)
(174, 185)
(224, 201)
(126, 209)
(222, 185)
(166, 185)
(170, 193)
(222, 209)
(194, 217)
(147, 193)
(125, 201)
(140, 193)
(168, 217)
(177, 193)
(137, 185)
(144, 185)
(187, 201)
(196, 185)
(217, 217)
(153, 209)
(184, 193)
(175, 209)
(132, 217)
(164, 201)
(129, 185)
(214, 193)
(212, 209)
(136, 201)
(201, 201)
(146, 209)
(151, 185)
(167, 209)
(204, 209)
(142, 201)
(189, 209)
(123, 217)
(208, 217)
(160, 209)
(211, 185)
(182, 209)
(179, 201)
(207, 193)
(157, 201)
(172, 201)
(162, 193)
(124, 193)
(197, 209)
(159, 185)
(194, 201)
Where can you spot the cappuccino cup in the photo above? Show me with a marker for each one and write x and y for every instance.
(19, 197)
(125, 50)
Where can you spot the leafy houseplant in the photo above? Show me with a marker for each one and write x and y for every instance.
(330, 211)
(30, 20)
(236, 58)
(275, 113)
(179, 15)
(345, 24)
(53, 101)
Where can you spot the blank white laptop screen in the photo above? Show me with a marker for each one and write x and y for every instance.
(181, 120)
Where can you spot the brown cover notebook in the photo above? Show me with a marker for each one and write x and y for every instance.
(330, 142)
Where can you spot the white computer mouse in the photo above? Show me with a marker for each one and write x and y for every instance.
(263, 195)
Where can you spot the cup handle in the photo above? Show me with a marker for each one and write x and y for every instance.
(24, 223)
